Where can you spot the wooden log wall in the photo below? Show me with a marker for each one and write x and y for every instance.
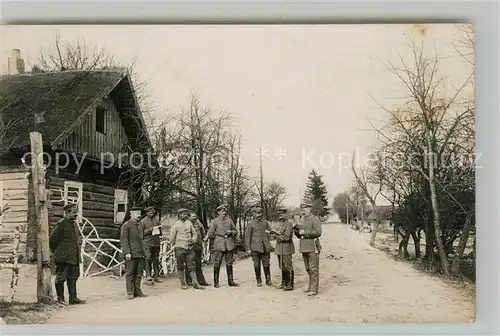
(14, 184)
(98, 206)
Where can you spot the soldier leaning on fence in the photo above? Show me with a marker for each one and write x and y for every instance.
(223, 232)
(152, 232)
(198, 252)
(65, 244)
(258, 244)
(284, 250)
(183, 236)
(308, 232)
(134, 252)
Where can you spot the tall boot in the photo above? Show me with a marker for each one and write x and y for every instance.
(73, 297)
(182, 278)
(230, 278)
(201, 278)
(289, 281)
(216, 276)
(137, 287)
(196, 285)
(283, 280)
(189, 278)
(292, 279)
(60, 292)
(267, 274)
(258, 276)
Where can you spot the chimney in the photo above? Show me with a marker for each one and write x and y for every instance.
(16, 63)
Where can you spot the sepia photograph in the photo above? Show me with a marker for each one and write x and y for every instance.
(237, 174)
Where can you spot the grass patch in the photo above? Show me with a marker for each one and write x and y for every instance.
(25, 313)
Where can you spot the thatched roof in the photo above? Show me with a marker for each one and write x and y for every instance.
(62, 99)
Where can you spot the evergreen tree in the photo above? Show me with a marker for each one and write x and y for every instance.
(316, 194)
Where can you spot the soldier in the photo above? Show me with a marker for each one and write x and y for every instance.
(223, 232)
(284, 250)
(65, 244)
(308, 232)
(198, 251)
(152, 232)
(134, 251)
(258, 244)
(183, 236)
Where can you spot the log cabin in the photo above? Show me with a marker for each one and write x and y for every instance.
(90, 124)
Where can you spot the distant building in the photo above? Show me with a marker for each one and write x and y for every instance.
(12, 63)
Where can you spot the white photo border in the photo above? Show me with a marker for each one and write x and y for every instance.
(483, 14)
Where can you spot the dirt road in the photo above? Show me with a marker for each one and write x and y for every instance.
(357, 285)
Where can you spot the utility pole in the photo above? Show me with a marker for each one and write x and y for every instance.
(38, 171)
(262, 203)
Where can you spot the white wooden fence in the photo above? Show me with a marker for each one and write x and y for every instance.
(92, 261)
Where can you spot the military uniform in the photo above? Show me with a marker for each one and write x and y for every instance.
(310, 248)
(132, 242)
(182, 237)
(284, 250)
(65, 244)
(257, 241)
(198, 252)
(152, 247)
(223, 232)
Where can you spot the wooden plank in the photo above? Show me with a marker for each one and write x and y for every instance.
(14, 220)
(98, 214)
(9, 215)
(17, 203)
(17, 208)
(93, 197)
(101, 222)
(18, 184)
(100, 189)
(98, 206)
(9, 227)
(12, 176)
(8, 238)
(9, 195)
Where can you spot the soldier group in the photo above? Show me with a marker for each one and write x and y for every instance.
(140, 243)
(257, 241)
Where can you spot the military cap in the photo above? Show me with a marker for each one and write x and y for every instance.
(221, 207)
(282, 210)
(182, 210)
(136, 208)
(69, 206)
(150, 208)
(305, 205)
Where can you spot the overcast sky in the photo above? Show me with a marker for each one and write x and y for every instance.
(306, 89)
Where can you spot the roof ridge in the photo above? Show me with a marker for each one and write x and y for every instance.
(116, 70)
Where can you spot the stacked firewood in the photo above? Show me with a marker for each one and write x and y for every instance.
(13, 263)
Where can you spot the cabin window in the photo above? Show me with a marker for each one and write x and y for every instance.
(73, 193)
(121, 203)
(100, 114)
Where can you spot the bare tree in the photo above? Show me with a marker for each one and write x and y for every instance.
(73, 55)
(429, 132)
(6, 141)
(62, 55)
(364, 179)
(274, 195)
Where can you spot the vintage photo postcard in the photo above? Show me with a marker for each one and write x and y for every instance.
(237, 174)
